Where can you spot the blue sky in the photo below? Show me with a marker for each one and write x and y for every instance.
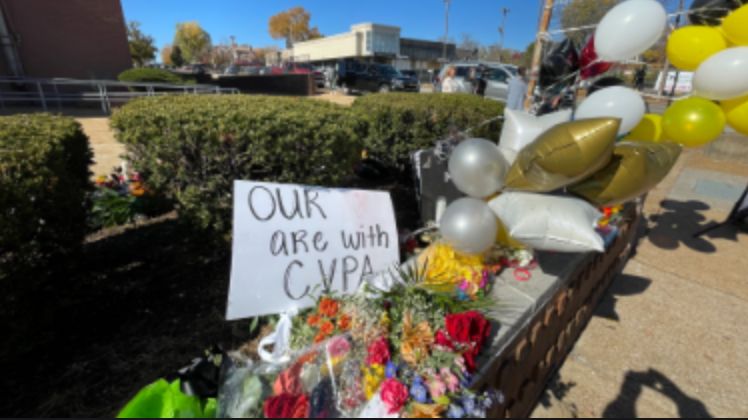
(248, 19)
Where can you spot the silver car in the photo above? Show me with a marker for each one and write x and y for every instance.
(497, 78)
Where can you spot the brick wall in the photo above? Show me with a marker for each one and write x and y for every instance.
(83, 39)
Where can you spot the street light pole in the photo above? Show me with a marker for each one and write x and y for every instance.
(505, 12)
(446, 28)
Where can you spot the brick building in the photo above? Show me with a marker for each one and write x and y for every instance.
(81, 39)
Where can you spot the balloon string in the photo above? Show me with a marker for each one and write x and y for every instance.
(547, 35)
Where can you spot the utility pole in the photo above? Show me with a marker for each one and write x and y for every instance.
(505, 12)
(545, 21)
(446, 28)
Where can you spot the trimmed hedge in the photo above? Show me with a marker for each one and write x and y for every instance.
(192, 148)
(401, 123)
(150, 75)
(44, 184)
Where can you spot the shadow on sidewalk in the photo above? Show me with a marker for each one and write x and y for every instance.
(624, 406)
(677, 224)
(623, 285)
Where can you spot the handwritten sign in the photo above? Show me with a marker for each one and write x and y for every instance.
(290, 239)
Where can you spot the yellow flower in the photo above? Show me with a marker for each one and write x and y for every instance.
(426, 411)
(373, 377)
(415, 340)
(445, 267)
(384, 320)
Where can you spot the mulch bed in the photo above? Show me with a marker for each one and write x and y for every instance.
(139, 304)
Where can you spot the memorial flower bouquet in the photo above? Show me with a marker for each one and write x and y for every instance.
(409, 351)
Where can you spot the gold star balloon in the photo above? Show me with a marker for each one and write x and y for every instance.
(565, 154)
(636, 168)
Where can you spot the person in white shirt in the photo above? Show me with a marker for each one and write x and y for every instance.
(450, 84)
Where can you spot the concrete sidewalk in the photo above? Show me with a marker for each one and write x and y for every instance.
(670, 337)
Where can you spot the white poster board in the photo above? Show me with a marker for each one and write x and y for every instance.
(290, 239)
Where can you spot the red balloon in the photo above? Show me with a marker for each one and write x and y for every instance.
(588, 61)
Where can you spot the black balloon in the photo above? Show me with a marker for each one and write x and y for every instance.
(559, 64)
(715, 11)
(603, 83)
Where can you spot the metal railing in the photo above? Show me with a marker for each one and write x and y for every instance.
(49, 93)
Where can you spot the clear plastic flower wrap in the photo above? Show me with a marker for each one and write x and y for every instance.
(322, 381)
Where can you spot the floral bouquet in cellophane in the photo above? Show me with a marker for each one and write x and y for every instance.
(410, 351)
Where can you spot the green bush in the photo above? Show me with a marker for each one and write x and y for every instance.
(44, 183)
(401, 123)
(192, 148)
(151, 75)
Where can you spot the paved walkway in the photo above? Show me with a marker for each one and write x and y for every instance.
(107, 151)
(670, 337)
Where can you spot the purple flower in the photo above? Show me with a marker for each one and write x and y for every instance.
(390, 371)
(455, 412)
(466, 379)
(468, 403)
(484, 279)
(418, 391)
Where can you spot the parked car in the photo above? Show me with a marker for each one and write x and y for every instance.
(373, 77)
(305, 68)
(413, 75)
(496, 76)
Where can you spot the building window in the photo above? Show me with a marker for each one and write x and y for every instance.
(368, 41)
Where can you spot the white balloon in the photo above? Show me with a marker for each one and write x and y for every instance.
(629, 29)
(477, 168)
(549, 223)
(723, 75)
(614, 102)
(469, 226)
(521, 129)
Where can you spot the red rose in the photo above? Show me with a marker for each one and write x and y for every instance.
(394, 395)
(470, 329)
(378, 352)
(441, 339)
(286, 406)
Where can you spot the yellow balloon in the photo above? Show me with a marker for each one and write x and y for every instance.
(736, 111)
(689, 46)
(735, 26)
(649, 129)
(693, 122)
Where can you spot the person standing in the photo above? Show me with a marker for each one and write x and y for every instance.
(517, 90)
(450, 84)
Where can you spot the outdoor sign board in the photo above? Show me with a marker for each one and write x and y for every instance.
(292, 242)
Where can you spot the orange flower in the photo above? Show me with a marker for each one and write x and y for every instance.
(319, 338)
(416, 340)
(326, 328)
(313, 320)
(344, 323)
(328, 307)
(426, 411)
(137, 189)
